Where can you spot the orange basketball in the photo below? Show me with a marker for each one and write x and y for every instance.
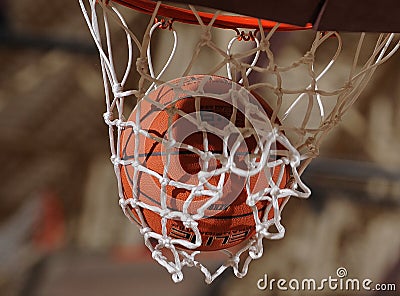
(226, 222)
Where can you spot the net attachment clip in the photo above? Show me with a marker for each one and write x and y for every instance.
(246, 36)
(164, 23)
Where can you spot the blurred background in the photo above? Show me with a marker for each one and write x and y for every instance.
(61, 230)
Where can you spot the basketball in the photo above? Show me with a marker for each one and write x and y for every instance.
(225, 223)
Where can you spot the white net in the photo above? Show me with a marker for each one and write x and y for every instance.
(214, 140)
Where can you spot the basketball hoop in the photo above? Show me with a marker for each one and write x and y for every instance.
(230, 131)
(220, 21)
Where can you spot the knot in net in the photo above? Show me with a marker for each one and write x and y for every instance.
(211, 132)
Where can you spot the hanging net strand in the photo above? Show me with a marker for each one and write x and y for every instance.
(304, 108)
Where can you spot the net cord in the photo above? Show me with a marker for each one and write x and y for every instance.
(296, 153)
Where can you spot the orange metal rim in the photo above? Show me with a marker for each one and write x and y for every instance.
(222, 21)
